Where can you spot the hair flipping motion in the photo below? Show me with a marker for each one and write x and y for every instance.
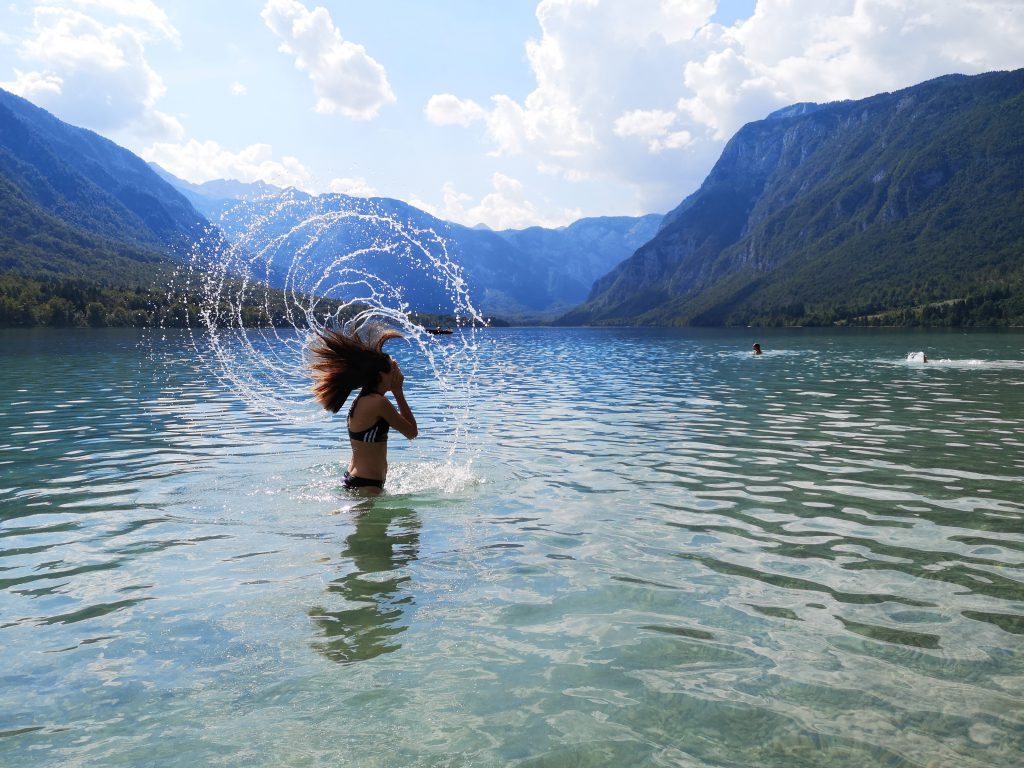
(343, 362)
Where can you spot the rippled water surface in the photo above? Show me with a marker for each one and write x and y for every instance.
(655, 550)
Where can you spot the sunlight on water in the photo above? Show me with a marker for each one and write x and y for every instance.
(431, 477)
(404, 478)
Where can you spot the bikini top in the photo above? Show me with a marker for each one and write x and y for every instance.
(377, 433)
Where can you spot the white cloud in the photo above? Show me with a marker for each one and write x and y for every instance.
(799, 50)
(644, 123)
(92, 69)
(647, 92)
(357, 187)
(345, 78)
(507, 207)
(681, 18)
(654, 126)
(446, 109)
(143, 10)
(564, 172)
(35, 86)
(158, 126)
(198, 162)
(729, 91)
(237, 89)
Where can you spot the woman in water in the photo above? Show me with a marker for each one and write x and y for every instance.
(343, 362)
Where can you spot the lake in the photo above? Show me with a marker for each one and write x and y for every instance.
(632, 547)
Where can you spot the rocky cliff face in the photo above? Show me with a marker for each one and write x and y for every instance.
(576, 255)
(828, 205)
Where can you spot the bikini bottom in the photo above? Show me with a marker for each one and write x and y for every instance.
(352, 482)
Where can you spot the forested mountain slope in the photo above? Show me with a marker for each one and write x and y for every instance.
(905, 207)
(84, 223)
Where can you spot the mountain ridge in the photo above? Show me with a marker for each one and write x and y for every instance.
(849, 212)
(902, 208)
(90, 235)
(88, 221)
(531, 274)
(90, 182)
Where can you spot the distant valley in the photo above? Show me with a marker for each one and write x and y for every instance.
(531, 274)
(93, 235)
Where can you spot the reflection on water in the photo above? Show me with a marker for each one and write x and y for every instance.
(376, 593)
(659, 551)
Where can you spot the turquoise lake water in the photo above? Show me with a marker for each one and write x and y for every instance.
(631, 548)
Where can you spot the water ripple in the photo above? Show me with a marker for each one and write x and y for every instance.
(654, 550)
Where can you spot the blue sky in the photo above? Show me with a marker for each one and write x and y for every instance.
(508, 113)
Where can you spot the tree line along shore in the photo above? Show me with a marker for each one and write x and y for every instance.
(52, 302)
(27, 302)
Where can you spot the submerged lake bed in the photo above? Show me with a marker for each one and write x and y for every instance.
(626, 547)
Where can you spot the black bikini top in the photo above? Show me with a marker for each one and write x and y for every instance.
(377, 433)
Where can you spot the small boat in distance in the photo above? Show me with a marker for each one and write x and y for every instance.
(439, 331)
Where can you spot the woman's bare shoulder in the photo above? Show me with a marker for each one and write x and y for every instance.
(370, 402)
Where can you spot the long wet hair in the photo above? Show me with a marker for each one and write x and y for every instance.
(348, 359)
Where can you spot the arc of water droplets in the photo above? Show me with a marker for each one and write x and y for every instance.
(267, 364)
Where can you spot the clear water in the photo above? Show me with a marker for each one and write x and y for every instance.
(654, 550)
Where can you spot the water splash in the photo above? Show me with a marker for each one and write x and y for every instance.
(296, 265)
(968, 364)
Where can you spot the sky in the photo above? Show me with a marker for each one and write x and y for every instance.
(508, 113)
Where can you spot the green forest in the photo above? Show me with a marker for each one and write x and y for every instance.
(64, 303)
(1000, 305)
(27, 302)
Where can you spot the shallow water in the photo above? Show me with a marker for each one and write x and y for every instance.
(655, 549)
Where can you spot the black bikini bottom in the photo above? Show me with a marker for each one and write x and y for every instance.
(354, 481)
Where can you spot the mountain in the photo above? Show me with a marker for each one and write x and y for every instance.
(902, 207)
(523, 274)
(385, 244)
(537, 273)
(578, 254)
(213, 198)
(36, 243)
(90, 183)
(90, 234)
(77, 207)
